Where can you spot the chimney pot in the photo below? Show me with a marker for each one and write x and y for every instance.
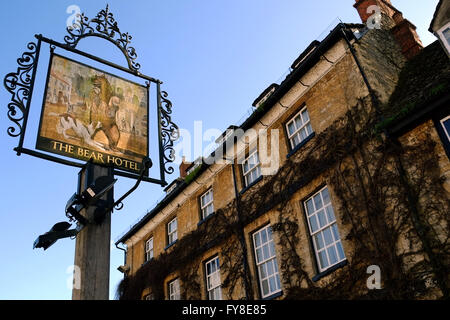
(183, 166)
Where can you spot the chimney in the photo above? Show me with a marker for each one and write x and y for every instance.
(406, 35)
(363, 8)
(403, 30)
(183, 166)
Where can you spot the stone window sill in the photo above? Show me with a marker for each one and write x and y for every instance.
(205, 219)
(170, 245)
(330, 270)
(273, 296)
(300, 145)
(251, 185)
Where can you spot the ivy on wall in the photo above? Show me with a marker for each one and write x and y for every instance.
(388, 197)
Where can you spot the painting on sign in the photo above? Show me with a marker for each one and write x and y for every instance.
(90, 114)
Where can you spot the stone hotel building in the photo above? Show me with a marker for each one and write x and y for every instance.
(343, 194)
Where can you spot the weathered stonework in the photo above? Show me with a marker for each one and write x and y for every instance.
(390, 196)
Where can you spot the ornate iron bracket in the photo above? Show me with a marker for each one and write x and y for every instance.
(104, 26)
(20, 84)
(168, 131)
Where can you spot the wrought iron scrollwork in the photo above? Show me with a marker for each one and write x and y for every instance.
(19, 85)
(169, 132)
(105, 26)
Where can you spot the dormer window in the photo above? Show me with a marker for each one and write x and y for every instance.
(444, 35)
(191, 169)
(171, 188)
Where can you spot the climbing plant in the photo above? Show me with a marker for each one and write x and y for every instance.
(388, 196)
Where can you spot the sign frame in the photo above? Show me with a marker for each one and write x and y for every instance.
(20, 84)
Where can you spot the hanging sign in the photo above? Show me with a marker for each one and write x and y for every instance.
(88, 113)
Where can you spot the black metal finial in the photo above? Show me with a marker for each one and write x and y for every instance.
(104, 26)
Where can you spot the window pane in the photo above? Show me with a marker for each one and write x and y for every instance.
(332, 255)
(330, 214)
(296, 140)
(257, 238)
(309, 207)
(269, 233)
(266, 251)
(258, 172)
(272, 283)
(291, 128)
(317, 201)
(245, 164)
(263, 236)
(259, 257)
(313, 223)
(305, 115)
(446, 34)
(208, 268)
(270, 268)
(319, 241)
(325, 196)
(298, 121)
(272, 249)
(265, 287)
(278, 281)
(203, 202)
(327, 236)
(309, 129)
(303, 134)
(323, 259)
(262, 270)
(322, 219)
(335, 232)
(340, 251)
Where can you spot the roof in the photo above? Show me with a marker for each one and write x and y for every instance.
(436, 12)
(291, 79)
(423, 80)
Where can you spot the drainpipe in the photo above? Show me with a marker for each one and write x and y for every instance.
(247, 275)
(124, 257)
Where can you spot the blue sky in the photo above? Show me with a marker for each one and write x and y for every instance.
(214, 57)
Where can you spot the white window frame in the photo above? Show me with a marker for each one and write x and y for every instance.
(440, 34)
(149, 253)
(205, 208)
(213, 281)
(443, 127)
(174, 289)
(266, 263)
(172, 235)
(329, 227)
(296, 134)
(248, 177)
